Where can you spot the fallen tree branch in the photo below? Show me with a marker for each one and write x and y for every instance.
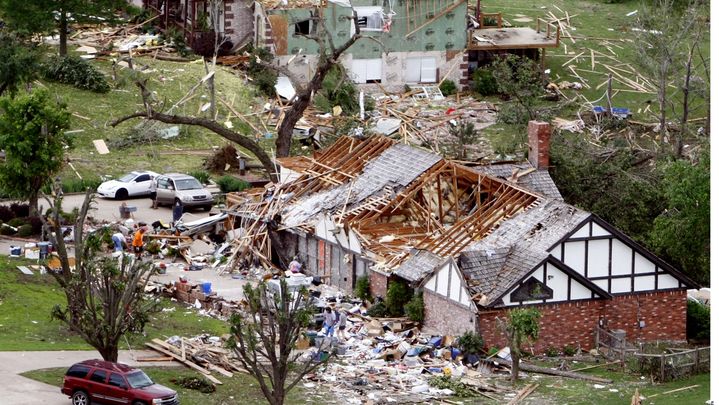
(543, 370)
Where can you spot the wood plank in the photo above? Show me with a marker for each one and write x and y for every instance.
(177, 357)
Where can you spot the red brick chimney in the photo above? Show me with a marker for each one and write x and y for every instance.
(539, 133)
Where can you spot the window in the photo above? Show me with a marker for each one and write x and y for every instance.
(98, 376)
(369, 18)
(531, 290)
(117, 380)
(304, 27)
(77, 371)
(162, 182)
(142, 177)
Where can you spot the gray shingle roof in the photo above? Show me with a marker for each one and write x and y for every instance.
(538, 181)
(396, 167)
(419, 265)
(493, 264)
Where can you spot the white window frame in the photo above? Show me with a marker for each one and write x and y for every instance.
(373, 14)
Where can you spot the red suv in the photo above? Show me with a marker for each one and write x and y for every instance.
(113, 383)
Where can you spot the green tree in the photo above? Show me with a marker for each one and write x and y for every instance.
(264, 336)
(53, 16)
(521, 80)
(105, 295)
(32, 133)
(682, 232)
(521, 326)
(19, 62)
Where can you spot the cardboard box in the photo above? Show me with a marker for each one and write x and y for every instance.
(302, 344)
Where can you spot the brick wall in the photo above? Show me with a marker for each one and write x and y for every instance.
(663, 313)
(446, 316)
(378, 284)
(538, 134)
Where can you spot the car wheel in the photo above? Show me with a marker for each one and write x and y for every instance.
(138, 403)
(207, 207)
(121, 194)
(80, 398)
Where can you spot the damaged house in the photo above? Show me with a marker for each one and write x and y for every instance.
(409, 41)
(476, 241)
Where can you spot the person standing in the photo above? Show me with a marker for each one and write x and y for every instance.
(153, 192)
(329, 321)
(137, 242)
(341, 324)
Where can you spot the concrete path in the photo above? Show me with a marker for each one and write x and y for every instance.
(18, 390)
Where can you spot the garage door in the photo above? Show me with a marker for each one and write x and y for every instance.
(421, 70)
(367, 70)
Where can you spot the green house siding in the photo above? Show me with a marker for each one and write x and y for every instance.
(446, 32)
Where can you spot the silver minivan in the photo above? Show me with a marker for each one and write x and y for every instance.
(174, 187)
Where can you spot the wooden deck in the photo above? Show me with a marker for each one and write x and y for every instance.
(489, 39)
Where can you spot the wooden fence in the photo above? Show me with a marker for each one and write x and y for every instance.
(675, 364)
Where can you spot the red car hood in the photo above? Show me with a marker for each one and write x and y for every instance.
(157, 391)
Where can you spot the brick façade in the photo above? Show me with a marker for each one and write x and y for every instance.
(378, 284)
(445, 316)
(572, 323)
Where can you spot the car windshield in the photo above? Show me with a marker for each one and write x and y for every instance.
(187, 184)
(139, 379)
(127, 178)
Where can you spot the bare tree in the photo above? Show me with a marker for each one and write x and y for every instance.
(662, 41)
(328, 56)
(105, 295)
(264, 338)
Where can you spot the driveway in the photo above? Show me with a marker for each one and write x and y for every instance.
(18, 390)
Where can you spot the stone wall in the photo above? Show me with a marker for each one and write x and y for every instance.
(663, 315)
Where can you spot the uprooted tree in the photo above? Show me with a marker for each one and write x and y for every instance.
(264, 337)
(105, 295)
(328, 56)
(522, 325)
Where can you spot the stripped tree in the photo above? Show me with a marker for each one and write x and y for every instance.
(521, 326)
(105, 295)
(265, 334)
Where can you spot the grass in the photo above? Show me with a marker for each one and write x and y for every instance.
(569, 391)
(25, 324)
(593, 19)
(241, 388)
(171, 81)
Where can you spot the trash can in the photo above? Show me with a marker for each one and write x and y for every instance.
(44, 249)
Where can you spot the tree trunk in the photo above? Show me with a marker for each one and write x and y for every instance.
(109, 352)
(63, 33)
(32, 201)
(679, 141)
(515, 366)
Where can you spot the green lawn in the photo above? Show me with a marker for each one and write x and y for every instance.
(26, 301)
(569, 391)
(240, 389)
(610, 27)
(92, 113)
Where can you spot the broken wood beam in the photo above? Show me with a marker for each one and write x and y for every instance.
(543, 370)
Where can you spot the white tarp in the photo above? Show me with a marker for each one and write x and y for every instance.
(284, 88)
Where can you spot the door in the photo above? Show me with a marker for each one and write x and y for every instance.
(97, 387)
(117, 390)
(421, 70)
(164, 194)
(366, 70)
(141, 185)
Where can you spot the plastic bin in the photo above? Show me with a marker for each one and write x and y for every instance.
(206, 287)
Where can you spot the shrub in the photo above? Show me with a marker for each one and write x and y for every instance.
(698, 320)
(338, 90)
(492, 351)
(415, 308)
(470, 343)
(551, 351)
(20, 210)
(76, 72)
(201, 175)
(362, 288)
(153, 247)
(229, 184)
(378, 310)
(24, 231)
(569, 350)
(6, 213)
(398, 294)
(16, 222)
(448, 87)
(195, 383)
(35, 224)
(484, 83)
(6, 230)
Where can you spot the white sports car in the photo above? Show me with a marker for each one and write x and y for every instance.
(137, 183)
